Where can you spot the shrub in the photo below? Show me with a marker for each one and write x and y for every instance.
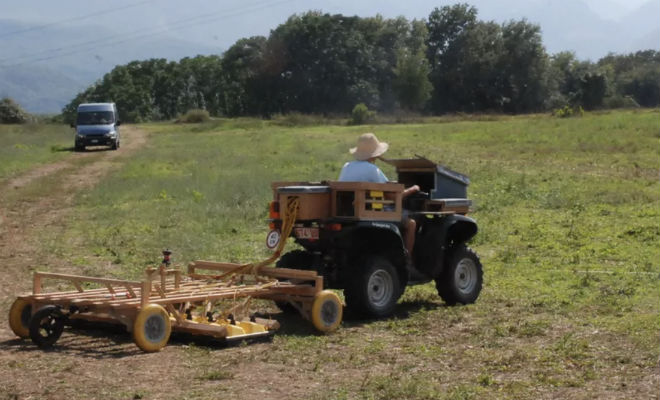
(194, 116)
(12, 113)
(361, 114)
(568, 111)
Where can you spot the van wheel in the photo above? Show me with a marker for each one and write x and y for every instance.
(115, 145)
(376, 288)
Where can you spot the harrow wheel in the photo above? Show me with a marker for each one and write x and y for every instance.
(152, 328)
(327, 311)
(19, 318)
(46, 326)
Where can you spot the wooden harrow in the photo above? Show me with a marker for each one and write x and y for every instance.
(167, 300)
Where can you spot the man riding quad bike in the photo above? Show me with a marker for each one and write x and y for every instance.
(357, 235)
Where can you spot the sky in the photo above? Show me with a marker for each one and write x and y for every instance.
(250, 17)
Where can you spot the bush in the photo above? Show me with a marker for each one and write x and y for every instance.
(12, 113)
(361, 114)
(194, 116)
(568, 111)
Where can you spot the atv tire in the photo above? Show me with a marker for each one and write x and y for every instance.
(375, 289)
(461, 278)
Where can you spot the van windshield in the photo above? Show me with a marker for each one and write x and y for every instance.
(95, 118)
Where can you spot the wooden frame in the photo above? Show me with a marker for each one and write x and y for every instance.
(120, 301)
(361, 200)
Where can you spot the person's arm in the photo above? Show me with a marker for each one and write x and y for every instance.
(410, 190)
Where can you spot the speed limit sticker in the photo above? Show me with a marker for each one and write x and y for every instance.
(273, 239)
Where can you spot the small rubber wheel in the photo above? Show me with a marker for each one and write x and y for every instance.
(327, 311)
(152, 328)
(46, 326)
(19, 318)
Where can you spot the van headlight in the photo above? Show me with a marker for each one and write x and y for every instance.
(111, 134)
(79, 136)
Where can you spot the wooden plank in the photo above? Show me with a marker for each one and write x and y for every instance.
(56, 297)
(77, 286)
(214, 330)
(380, 201)
(286, 273)
(130, 291)
(145, 293)
(86, 279)
(36, 283)
(195, 298)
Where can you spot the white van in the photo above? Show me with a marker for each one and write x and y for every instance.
(97, 124)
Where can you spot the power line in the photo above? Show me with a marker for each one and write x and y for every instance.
(109, 10)
(110, 40)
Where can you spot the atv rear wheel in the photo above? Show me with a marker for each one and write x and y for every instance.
(375, 289)
(296, 259)
(461, 278)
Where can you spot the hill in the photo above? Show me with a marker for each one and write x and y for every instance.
(33, 72)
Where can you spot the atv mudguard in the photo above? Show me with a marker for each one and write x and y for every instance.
(437, 238)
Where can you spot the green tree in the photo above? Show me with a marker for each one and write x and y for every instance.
(12, 113)
(411, 82)
(448, 29)
(524, 67)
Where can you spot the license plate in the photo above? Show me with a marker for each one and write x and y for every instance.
(95, 140)
(307, 233)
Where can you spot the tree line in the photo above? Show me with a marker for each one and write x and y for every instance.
(326, 64)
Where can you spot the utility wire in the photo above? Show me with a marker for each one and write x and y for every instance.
(82, 17)
(111, 40)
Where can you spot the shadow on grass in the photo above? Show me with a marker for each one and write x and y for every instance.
(293, 324)
(99, 341)
(94, 149)
(106, 341)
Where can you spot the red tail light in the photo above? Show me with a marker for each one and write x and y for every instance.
(333, 227)
(274, 210)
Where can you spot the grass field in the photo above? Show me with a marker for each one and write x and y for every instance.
(568, 212)
(25, 146)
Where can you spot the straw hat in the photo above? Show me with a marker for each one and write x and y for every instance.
(368, 146)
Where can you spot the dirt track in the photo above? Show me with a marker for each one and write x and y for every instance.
(21, 219)
(84, 366)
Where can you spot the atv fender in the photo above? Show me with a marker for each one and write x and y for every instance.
(441, 235)
(379, 237)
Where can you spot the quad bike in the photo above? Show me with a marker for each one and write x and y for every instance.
(351, 233)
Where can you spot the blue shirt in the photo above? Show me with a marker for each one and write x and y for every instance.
(361, 171)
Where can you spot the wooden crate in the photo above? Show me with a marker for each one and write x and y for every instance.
(314, 201)
(366, 201)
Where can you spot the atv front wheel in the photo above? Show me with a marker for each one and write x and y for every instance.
(461, 277)
(375, 289)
